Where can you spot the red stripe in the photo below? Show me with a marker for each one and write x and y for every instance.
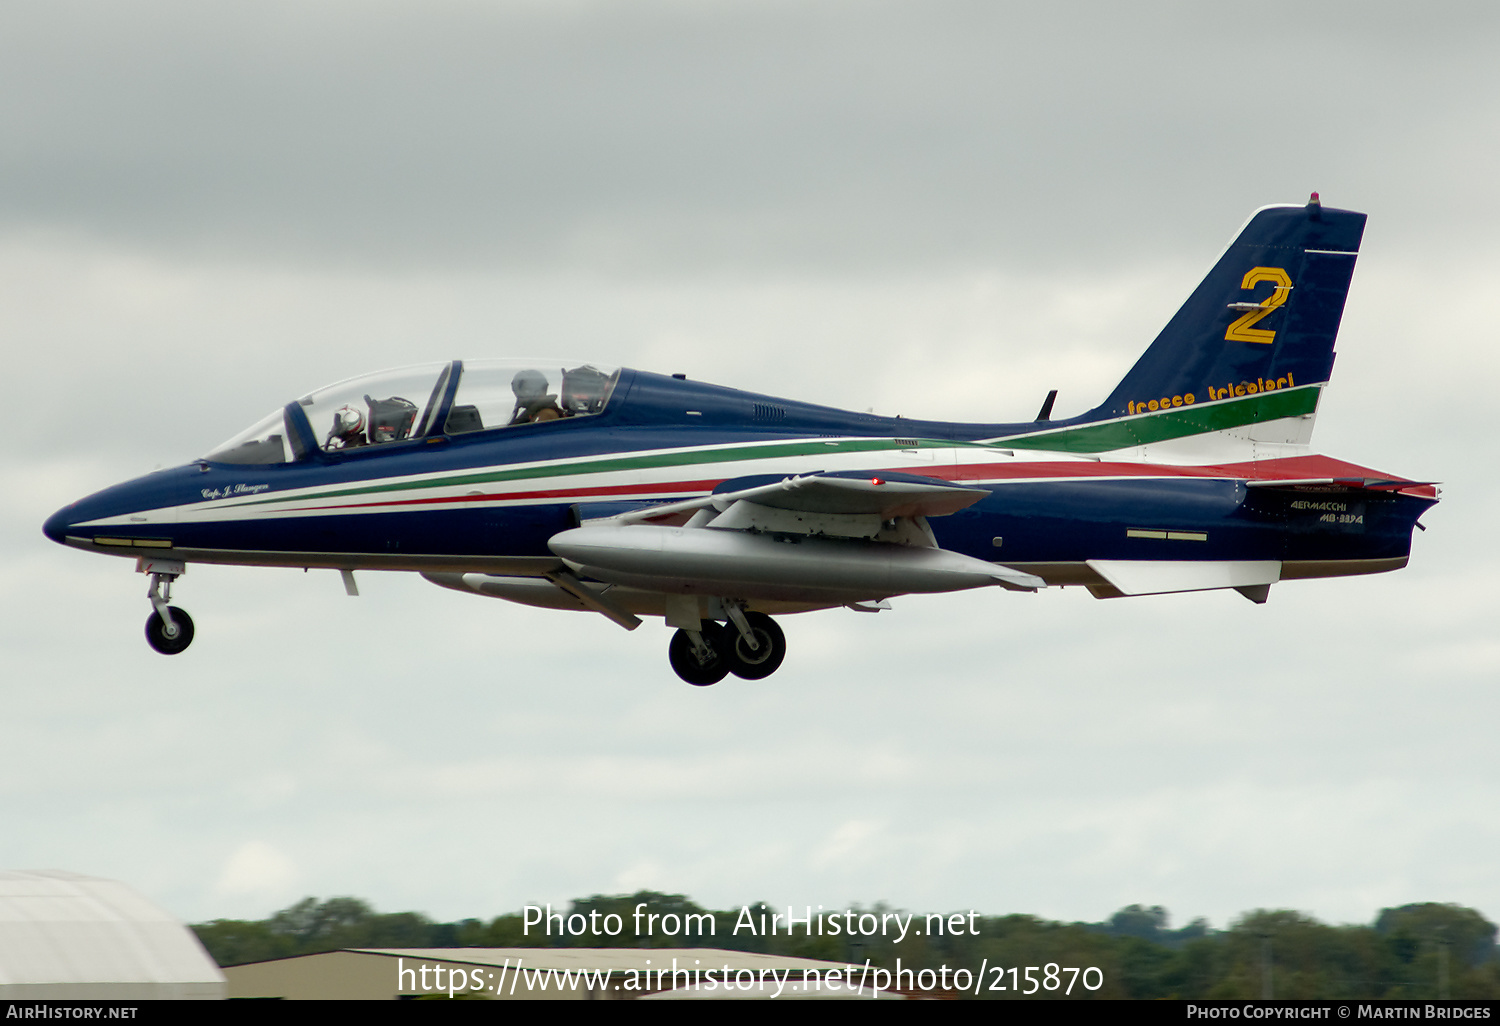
(1289, 468)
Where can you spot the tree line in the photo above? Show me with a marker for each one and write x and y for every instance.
(1420, 951)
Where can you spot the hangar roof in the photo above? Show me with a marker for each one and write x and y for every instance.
(60, 928)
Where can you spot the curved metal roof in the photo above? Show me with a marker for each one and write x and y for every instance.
(65, 935)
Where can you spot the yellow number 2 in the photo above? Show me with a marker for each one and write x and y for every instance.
(1241, 330)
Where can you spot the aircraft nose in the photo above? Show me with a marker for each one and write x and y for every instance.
(141, 506)
(58, 523)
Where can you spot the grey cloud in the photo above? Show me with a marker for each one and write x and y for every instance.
(735, 135)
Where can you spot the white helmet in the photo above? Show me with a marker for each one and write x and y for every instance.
(347, 423)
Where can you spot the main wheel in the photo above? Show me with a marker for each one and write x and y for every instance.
(769, 651)
(156, 632)
(685, 661)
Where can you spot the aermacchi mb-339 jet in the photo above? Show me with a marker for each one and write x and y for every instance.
(631, 494)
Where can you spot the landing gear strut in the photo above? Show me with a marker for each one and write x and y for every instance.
(697, 656)
(169, 629)
(755, 645)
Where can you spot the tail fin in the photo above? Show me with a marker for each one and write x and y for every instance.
(1249, 352)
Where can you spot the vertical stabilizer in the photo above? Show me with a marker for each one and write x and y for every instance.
(1245, 358)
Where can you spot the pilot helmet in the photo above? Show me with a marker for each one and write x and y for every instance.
(529, 384)
(347, 422)
(583, 389)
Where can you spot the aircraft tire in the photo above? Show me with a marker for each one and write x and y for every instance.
(156, 635)
(770, 648)
(685, 661)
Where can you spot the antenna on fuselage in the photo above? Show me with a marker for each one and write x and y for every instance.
(1046, 411)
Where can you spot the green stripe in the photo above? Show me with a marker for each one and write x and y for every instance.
(665, 459)
(1175, 423)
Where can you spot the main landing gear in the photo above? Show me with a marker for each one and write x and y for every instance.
(750, 646)
(169, 629)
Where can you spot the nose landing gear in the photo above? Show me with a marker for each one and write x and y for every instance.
(169, 634)
(169, 629)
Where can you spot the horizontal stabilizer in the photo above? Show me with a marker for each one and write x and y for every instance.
(1375, 484)
(1159, 577)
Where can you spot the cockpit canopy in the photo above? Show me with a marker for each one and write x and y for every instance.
(427, 400)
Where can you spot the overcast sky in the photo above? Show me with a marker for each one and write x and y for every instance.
(935, 209)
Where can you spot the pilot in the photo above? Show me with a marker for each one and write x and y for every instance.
(348, 429)
(533, 402)
(583, 391)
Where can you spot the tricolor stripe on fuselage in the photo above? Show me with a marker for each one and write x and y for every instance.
(1076, 507)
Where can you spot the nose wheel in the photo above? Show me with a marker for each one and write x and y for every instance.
(169, 629)
(169, 636)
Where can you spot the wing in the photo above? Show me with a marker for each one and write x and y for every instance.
(835, 539)
(810, 495)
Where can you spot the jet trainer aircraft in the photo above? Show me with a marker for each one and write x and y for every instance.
(634, 494)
